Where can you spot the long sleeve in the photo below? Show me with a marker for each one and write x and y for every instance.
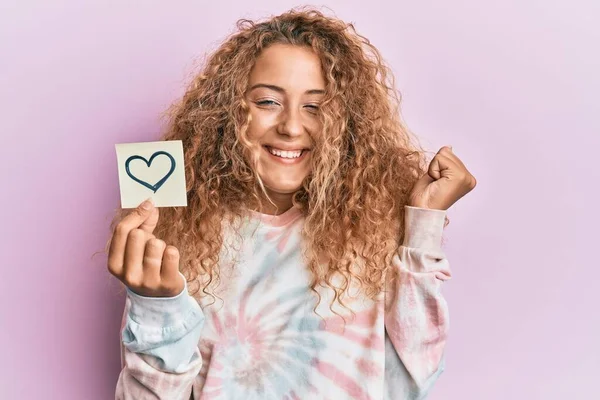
(160, 358)
(416, 318)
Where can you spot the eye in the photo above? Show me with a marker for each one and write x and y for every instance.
(266, 103)
(313, 108)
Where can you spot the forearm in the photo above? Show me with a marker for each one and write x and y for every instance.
(159, 346)
(417, 317)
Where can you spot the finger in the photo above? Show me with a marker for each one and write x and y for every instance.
(150, 223)
(139, 215)
(459, 167)
(170, 265)
(439, 165)
(119, 240)
(450, 154)
(153, 256)
(435, 167)
(134, 257)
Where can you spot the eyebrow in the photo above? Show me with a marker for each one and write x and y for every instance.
(282, 90)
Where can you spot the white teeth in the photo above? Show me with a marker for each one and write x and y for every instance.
(285, 154)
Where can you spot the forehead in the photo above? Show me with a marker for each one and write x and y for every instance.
(288, 65)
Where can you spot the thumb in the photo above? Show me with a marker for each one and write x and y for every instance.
(434, 169)
(422, 183)
(151, 219)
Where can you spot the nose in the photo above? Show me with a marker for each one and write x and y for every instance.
(291, 123)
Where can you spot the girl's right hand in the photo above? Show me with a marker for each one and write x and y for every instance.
(142, 262)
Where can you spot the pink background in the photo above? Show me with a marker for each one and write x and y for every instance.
(512, 85)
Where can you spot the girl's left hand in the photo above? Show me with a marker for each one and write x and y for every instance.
(446, 181)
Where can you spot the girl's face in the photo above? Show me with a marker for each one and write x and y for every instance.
(285, 87)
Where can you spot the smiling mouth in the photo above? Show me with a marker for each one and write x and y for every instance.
(269, 148)
(287, 160)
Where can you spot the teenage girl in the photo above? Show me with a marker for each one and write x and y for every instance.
(308, 262)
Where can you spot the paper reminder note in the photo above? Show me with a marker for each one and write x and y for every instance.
(151, 169)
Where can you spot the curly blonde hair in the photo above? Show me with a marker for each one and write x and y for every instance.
(363, 167)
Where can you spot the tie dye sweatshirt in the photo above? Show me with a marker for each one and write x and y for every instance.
(259, 337)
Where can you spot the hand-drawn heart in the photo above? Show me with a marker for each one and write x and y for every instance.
(158, 184)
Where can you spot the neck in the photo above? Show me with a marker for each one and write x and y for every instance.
(283, 202)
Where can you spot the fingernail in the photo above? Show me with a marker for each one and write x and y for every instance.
(147, 204)
(450, 148)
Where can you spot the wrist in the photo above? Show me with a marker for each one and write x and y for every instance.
(423, 227)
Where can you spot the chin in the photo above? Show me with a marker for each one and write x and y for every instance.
(283, 189)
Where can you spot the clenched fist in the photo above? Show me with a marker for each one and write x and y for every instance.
(142, 262)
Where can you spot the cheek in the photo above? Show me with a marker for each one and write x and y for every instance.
(260, 123)
(252, 128)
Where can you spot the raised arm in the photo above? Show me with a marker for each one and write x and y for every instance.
(416, 318)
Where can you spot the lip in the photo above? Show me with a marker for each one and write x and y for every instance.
(286, 149)
(286, 161)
